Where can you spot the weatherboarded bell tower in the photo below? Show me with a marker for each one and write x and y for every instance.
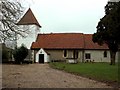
(29, 20)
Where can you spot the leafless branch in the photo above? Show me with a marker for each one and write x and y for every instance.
(10, 13)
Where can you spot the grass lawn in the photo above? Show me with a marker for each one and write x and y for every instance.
(98, 71)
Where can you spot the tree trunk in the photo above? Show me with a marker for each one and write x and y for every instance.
(113, 55)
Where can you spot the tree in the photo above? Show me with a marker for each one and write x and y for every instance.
(108, 29)
(20, 54)
(10, 13)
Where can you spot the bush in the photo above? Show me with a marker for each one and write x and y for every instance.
(20, 54)
(6, 54)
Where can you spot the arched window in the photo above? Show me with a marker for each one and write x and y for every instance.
(105, 53)
(65, 53)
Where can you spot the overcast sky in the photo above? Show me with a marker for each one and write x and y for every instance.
(65, 16)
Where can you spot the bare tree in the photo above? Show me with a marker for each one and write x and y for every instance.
(10, 13)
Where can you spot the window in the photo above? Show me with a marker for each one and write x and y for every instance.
(105, 53)
(65, 53)
(75, 54)
(87, 56)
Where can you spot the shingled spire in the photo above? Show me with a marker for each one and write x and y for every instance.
(28, 19)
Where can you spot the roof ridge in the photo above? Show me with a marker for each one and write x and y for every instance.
(88, 34)
(57, 33)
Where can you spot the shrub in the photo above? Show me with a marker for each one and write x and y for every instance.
(20, 54)
(6, 54)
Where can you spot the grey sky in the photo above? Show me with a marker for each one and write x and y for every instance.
(114, 0)
(65, 16)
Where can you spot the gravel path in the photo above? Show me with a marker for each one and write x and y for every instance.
(42, 76)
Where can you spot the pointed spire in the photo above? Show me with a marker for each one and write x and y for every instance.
(28, 19)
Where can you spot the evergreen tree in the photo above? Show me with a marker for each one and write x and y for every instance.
(108, 29)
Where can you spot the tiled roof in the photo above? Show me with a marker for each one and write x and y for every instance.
(28, 19)
(65, 41)
(89, 44)
(35, 45)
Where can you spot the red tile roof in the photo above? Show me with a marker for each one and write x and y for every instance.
(89, 44)
(28, 19)
(65, 41)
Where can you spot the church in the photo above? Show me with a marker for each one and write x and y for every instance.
(64, 47)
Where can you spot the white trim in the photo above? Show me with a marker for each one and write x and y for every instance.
(46, 56)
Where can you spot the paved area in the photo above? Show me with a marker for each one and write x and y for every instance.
(42, 76)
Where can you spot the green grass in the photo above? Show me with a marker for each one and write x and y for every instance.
(98, 71)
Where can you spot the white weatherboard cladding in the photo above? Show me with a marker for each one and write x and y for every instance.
(32, 57)
(46, 57)
(31, 37)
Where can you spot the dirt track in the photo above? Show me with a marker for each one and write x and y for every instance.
(42, 76)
